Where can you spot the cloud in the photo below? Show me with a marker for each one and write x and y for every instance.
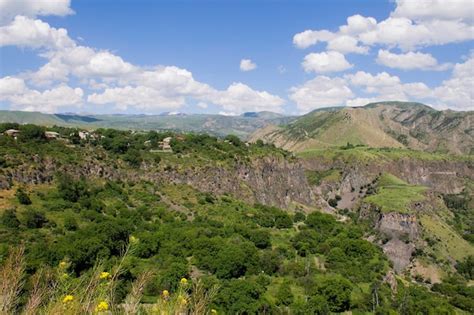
(310, 38)
(413, 25)
(410, 61)
(320, 92)
(115, 80)
(202, 105)
(239, 98)
(17, 93)
(247, 65)
(346, 44)
(434, 9)
(457, 92)
(26, 32)
(32, 8)
(140, 97)
(325, 62)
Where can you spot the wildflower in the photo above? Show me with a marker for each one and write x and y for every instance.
(213, 311)
(62, 264)
(133, 239)
(166, 293)
(102, 306)
(104, 275)
(182, 300)
(184, 281)
(68, 298)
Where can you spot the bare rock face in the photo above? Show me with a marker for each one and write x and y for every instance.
(270, 180)
(397, 225)
(399, 253)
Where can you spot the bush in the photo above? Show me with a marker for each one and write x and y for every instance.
(23, 197)
(9, 219)
(35, 219)
(70, 223)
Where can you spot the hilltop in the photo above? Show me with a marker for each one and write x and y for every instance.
(384, 124)
(218, 125)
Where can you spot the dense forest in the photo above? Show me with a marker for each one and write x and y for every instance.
(136, 246)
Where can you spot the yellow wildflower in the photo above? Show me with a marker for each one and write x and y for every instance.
(102, 306)
(182, 300)
(213, 311)
(104, 275)
(68, 298)
(62, 264)
(166, 293)
(184, 281)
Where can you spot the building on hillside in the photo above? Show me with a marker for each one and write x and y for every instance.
(12, 133)
(165, 145)
(51, 135)
(83, 135)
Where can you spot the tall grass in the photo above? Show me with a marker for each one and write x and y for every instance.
(55, 291)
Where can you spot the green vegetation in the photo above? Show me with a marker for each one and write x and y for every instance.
(394, 195)
(148, 235)
(316, 177)
(381, 155)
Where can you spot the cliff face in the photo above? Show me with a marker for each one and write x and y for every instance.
(268, 180)
(439, 175)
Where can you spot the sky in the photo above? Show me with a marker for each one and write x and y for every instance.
(230, 57)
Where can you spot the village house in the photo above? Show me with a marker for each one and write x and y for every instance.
(51, 135)
(165, 145)
(12, 133)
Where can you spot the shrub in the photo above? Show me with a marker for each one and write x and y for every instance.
(23, 197)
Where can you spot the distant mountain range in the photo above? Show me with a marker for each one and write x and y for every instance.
(218, 125)
(383, 124)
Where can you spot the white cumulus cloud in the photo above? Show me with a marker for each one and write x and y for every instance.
(32, 8)
(247, 65)
(409, 61)
(319, 92)
(325, 62)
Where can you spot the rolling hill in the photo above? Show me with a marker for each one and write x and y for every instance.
(218, 125)
(385, 124)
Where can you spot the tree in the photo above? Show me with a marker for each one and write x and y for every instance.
(234, 140)
(9, 219)
(133, 158)
(31, 132)
(69, 189)
(284, 295)
(34, 219)
(317, 305)
(23, 197)
(70, 223)
(337, 292)
(466, 267)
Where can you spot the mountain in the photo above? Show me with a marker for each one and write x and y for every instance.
(384, 124)
(218, 125)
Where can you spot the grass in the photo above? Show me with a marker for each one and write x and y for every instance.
(366, 154)
(394, 195)
(316, 177)
(449, 244)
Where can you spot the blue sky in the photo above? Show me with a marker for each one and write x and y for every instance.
(155, 56)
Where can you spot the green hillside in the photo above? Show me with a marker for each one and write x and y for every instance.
(385, 124)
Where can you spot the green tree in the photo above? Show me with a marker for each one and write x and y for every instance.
(34, 219)
(284, 295)
(23, 197)
(336, 290)
(9, 219)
